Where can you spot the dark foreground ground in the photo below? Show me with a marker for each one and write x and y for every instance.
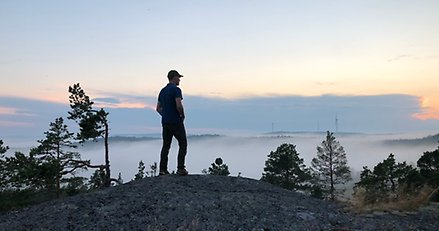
(204, 202)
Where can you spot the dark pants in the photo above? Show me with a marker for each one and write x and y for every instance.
(178, 131)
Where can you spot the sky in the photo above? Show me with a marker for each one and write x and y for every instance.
(248, 66)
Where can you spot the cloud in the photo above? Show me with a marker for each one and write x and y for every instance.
(428, 110)
(107, 100)
(117, 100)
(369, 114)
(381, 113)
(427, 115)
(325, 83)
(12, 124)
(14, 111)
(7, 111)
(398, 57)
(28, 117)
(401, 57)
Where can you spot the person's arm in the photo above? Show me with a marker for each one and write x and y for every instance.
(180, 108)
(159, 108)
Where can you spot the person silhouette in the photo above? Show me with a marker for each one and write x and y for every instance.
(170, 107)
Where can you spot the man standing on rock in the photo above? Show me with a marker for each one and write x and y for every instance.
(170, 107)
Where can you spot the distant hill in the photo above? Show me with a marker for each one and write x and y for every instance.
(203, 202)
(425, 141)
(290, 133)
(203, 136)
(129, 138)
(116, 139)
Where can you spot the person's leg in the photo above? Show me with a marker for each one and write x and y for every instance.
(180, 135)
(167, 140)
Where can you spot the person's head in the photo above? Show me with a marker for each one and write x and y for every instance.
(174, 77)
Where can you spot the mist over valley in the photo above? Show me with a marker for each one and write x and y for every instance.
(246, 155)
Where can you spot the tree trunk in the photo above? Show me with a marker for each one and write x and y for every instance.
(393, 187)
(331, 156)
(58, 177)
(107, 159)
(58, 185)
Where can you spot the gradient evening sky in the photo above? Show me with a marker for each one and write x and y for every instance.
(231, 49)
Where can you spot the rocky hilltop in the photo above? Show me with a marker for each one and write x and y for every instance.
(203, 202)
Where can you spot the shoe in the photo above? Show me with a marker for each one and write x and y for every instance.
(182, 172)
(162, 173)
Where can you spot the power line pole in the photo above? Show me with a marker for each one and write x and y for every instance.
(336, 123)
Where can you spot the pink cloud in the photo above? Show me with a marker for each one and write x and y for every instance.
(429, 107)
(14, 111)
(8, 111)
(123, 102)
(15, 124)
(427, 114)
(125, 105)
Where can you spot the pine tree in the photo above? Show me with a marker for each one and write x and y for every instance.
(75, 185)
(382, 183)
(428, 166)
(97, 179)
(330, 166)
(218, 168)
(153, 169)
(141, 171)
(3, 150)
(52, 153)
(93, 124)
(285, 168)
(119, 179)
(25, 171)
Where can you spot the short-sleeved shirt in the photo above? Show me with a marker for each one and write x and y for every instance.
(166, 99)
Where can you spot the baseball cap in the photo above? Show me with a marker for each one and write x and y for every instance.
(173, 73)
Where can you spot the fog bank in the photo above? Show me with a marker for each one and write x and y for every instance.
(247, 155)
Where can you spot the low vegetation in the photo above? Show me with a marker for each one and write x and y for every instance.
(391, 185)
(218, 168)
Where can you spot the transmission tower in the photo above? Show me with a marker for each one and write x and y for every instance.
(336, 123)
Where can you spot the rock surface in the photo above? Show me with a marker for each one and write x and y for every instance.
(204, 202)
